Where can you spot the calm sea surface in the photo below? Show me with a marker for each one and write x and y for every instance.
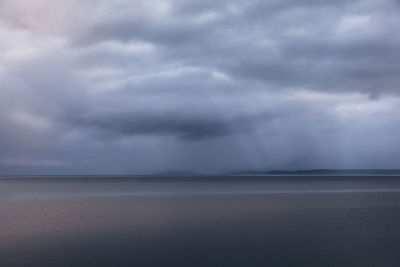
(201, 221)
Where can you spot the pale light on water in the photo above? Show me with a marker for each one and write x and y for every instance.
(231, 222)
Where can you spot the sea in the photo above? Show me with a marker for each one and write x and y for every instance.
(236, 220)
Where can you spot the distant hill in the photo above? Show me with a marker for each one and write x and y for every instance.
(318, 172)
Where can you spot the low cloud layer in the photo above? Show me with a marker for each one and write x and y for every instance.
(130, 87)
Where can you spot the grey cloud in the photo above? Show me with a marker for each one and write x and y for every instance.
(184, 127)
(320, 60)
(202, 85)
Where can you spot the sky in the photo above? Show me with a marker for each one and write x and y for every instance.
(211, 86)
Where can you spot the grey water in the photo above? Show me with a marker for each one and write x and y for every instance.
(200, 221)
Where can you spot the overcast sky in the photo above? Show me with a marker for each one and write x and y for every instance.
(150, 86)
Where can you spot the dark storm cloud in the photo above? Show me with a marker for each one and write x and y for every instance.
(184, 127)
(188, 126)
(236, 84)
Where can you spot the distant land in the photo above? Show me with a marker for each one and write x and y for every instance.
(244, 173)
(285, 172)
(319, 172)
